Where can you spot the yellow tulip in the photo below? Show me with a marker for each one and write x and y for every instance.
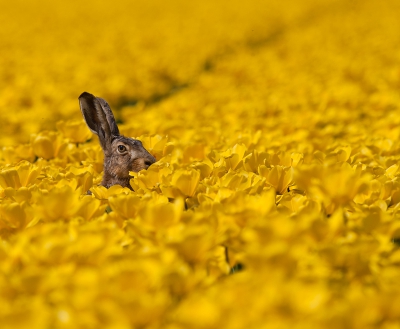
(60, 203)
(75, 131)
(103, 193)
(13, 216)
(280, 178)
(17, 153)
(125, 206)
(184, 181)
(252, 161)
(234, 156)
(205, 168)
(21, 175)
(48, 145)
(150, 178)
(9, 178)
(193, 152)
(89, 208)
(161, 215)
(156, 145)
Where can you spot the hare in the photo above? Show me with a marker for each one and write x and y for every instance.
(121, 154)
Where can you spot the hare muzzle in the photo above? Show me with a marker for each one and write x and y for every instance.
(143, 163)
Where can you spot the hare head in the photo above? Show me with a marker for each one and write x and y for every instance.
(121, 154)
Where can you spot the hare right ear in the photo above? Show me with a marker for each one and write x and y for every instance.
(110, 116)
(96, 119)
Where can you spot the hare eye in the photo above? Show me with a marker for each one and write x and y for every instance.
(121, 148)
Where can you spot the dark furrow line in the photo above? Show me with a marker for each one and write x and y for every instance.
(209, 64)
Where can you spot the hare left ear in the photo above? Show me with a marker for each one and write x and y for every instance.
(96, 119)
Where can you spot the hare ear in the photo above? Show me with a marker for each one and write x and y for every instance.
(96, 118)
(110, 116)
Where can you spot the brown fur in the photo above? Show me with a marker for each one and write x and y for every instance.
(117, 162)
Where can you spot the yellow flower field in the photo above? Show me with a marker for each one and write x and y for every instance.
(275, 198)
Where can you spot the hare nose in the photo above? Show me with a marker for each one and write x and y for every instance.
(148, 163)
